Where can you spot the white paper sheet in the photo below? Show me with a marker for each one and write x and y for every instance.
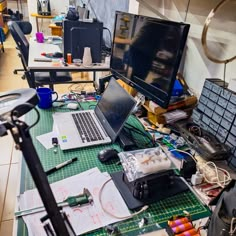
(46, 139)
(85, 218)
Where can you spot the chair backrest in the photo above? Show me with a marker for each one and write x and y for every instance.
(21, 41)
(25, 26)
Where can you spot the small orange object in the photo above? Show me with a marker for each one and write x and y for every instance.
(69, 58)
(180, 221)
(182, 228)
(191, 232)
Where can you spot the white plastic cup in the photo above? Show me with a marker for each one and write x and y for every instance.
(107, 60)
(87, 58)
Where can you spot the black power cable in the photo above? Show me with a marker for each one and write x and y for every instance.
(105, 28)
(131, 130)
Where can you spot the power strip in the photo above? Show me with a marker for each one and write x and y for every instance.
(211, 173)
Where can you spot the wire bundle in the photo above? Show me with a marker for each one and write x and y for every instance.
(211, 173)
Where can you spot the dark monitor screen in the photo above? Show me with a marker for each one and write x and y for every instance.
(114, 108)
(146, 54)
(78, 35)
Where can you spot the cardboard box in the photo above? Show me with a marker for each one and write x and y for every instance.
(189, 101)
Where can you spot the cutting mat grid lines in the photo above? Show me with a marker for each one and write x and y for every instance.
(157, 214)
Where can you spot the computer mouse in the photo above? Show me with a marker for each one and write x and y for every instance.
(107, 154)
(57, 55)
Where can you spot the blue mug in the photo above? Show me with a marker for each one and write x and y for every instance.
(45, 97)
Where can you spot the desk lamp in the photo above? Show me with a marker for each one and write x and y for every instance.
(14, 104)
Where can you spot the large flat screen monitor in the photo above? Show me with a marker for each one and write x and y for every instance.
(146, 54)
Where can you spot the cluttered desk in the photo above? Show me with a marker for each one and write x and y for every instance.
(46, 60)
(129, 187)
(90, 173)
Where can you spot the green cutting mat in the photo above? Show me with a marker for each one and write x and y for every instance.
(157, 214)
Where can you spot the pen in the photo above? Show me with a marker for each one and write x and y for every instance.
(48, 172)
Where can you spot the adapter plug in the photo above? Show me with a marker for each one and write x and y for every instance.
(197, 178)
(126, 143)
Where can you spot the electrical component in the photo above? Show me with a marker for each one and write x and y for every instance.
(213, 174)
(181, 226)
(54, 141)
(177, 142)
(72, 106)
(208, 172)
(191, 232)
(112, 230)
(143, 222)
(188, 167)
(197, 178)
(179, 221)
(126, 143)
(207, 145)
(152, 163)
(55, 144)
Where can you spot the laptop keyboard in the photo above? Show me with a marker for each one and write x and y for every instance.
(88, 130)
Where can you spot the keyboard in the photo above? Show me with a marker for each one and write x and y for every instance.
(87, 128)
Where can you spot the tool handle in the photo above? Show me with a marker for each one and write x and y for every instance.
(77, 200)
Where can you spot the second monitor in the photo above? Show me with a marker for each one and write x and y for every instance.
(78, 35)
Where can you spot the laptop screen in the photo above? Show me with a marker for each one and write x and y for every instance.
(114, 108)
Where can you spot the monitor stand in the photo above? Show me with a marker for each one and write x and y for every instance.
(177, 186)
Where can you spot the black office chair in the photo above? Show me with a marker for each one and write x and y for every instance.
(41, 78)
(26, 28)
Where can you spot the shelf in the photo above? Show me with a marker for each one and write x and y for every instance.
(41, 16)
(37, 16)
(3, 6)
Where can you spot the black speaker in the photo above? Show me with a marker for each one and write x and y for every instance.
(72, 14)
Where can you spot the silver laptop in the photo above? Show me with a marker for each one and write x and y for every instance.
(99, 126)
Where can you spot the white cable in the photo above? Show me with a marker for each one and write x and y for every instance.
(204, 168)
(109, 213)
(232, 230)
(179, 150)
